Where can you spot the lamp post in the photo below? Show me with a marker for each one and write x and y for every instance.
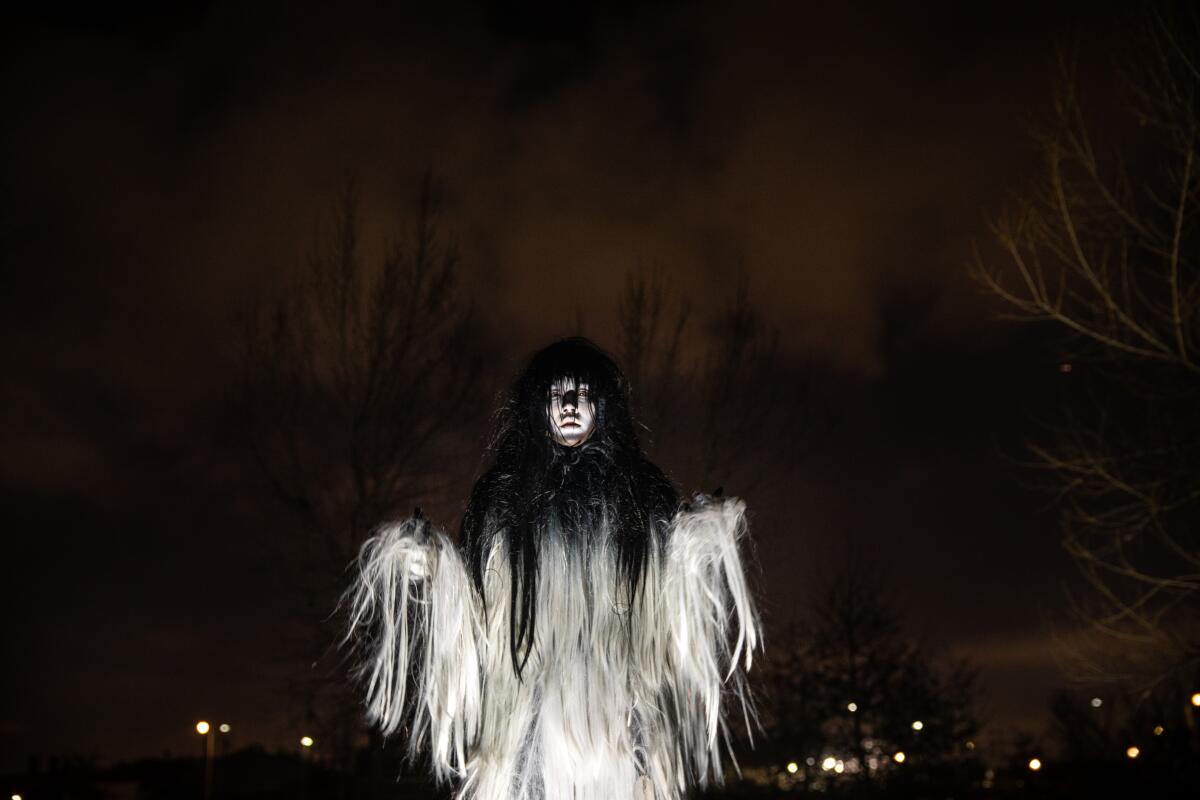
(306, 744)
(205, 731)
(223, 737)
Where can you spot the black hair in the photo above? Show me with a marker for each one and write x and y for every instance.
(533, 480)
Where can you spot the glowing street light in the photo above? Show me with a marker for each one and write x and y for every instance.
(1158, 730)
(852, 707)
(202, 728)
(1133, 752)
(1097, 702)
(918, 725)
(1035, 764)
(839, 767)
(306, 741)
(224, 727)
(829, 763)
(1196, 699)
(16, 797)
(793, 767)
(899, 757)
(970, 745)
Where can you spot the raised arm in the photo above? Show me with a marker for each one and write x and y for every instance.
(714, 627)
(414, 614)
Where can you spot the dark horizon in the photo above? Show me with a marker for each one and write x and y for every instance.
(163, 170)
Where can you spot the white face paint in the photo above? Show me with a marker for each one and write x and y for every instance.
(571, 411)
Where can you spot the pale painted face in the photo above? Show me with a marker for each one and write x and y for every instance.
(571, 411)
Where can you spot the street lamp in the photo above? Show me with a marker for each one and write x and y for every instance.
(899, 757)
(852, 707)
(224, 727)
(918, 725)
(1035, 764)
(1196, 699)
(204, 729)
(306, 743)
(793, 767)
(1133, 752)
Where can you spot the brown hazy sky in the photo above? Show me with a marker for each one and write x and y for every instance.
(159, 170)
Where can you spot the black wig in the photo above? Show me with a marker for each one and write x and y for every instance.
(604, 481)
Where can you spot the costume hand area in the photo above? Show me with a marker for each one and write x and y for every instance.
(702, 500)
(421, 546)
(407, 549)
(420, 560)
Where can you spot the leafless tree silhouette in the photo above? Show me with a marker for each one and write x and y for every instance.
(847, 689)
(354, 395)
(1105, 249)
(709, 395)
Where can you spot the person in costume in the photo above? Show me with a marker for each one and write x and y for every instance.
(588, 638)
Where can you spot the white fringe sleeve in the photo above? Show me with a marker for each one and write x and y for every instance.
(714, 628)
(414, 617)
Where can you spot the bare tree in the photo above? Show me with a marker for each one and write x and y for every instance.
(1105, 248)
(847, 690)
(652, 320)
(708, 396)
(354, 397)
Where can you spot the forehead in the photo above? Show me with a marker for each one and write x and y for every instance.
(568, 382)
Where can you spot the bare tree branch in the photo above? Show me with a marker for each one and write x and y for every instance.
(1104, 248)
(354, 398)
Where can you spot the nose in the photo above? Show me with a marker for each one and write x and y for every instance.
(570, 400)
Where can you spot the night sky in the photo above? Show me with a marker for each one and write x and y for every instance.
(160, 171)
